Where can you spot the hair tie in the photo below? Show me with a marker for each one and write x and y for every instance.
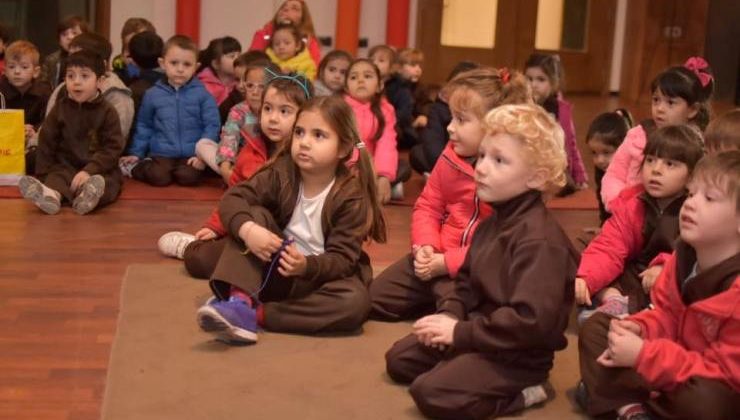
(505, 75)
(300, 80)
(699, 67)
(360, 145)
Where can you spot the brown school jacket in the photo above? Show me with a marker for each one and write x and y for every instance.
(273, 192)
(515, 289)
(84, 137)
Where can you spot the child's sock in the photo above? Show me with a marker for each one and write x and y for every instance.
(534, 395)
(261, 315)
(240, 294)
(615, 305)
(632, 412)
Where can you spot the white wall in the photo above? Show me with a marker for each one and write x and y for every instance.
(160, 12)
(240, 18)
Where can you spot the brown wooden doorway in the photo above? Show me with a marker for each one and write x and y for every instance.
(586, 69)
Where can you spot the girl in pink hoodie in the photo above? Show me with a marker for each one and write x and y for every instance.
(680, 95)
(545, 74)
(217, 67)
(376, 121)
(448, 211)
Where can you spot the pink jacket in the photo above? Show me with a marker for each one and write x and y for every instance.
(215, 86)
(624, 169)
(619, 241)
(383, 150)
(261, 40)
(575, 162)
(448, 211)
(701, 339)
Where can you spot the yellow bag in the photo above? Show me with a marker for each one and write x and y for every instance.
(12, 145)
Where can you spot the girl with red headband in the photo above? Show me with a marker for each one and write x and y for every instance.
(680, 95)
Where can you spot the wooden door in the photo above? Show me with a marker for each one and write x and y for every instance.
(586, 70)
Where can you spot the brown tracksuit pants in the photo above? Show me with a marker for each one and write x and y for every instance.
(397, 293)
(160, 172)
(464, 385)
(293, 304)
(59, 178)
(611, 388)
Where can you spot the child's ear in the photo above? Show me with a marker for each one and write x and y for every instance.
(693, 110)
(537, 179)
(160, 61)
(36, 72)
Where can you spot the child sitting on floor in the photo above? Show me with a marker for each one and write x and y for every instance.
(620, 265)
(723, 132)
(174, 115)
(288, 51)
(332, 73)
(447, 212)
(509, 310)
(679, 360)
(79, 144)
(293, 261)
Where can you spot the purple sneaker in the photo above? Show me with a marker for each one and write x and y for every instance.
(232, 321)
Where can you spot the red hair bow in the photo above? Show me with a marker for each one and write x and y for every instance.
(505, 75)
(699, 67)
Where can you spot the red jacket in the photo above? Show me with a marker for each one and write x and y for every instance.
(619, 241)
(448, 211)
(699, 339)
(249, 160)
(261, 40)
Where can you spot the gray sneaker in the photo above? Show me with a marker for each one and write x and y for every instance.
(89, 196)
(33, 190)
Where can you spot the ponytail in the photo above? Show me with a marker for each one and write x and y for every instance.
(376, 226)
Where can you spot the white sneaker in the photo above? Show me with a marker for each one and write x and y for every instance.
(397, 192)
(173, 244)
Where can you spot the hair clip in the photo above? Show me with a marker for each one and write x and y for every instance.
(504, 74)
(300, 80)
(360, 145)
(699, 67)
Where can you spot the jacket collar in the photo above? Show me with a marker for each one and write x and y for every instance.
(37, 88)
(707, 283)
(456, 161)
(514, 207)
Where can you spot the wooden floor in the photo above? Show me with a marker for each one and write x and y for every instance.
(60, 278)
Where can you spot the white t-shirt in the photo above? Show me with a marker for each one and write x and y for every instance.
(305, 223)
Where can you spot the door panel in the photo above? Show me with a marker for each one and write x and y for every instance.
(585, 71)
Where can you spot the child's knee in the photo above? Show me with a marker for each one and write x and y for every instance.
(186, 176)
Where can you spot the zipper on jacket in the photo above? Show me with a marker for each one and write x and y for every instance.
(464, 239)
(177, 120)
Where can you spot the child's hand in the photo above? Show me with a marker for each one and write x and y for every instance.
(128, 160)
(196, 163)
(292, 262)
(226, 170)
(582, 186)
(583, 297)
(205, 234)
(260, 241)
(423, 254)
(432, 267)
(78, 180)
(30, 131)
(435, 329)
(624, 347)
(649, 276)
(420, 122)
(384, 190)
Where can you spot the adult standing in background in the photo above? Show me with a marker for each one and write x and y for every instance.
(294, 12)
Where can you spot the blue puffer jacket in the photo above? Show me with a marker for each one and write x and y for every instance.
(170, 121)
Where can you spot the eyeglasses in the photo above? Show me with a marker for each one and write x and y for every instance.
(254, 86)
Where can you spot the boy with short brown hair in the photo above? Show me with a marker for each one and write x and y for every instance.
(680, 359)
(79, 144)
